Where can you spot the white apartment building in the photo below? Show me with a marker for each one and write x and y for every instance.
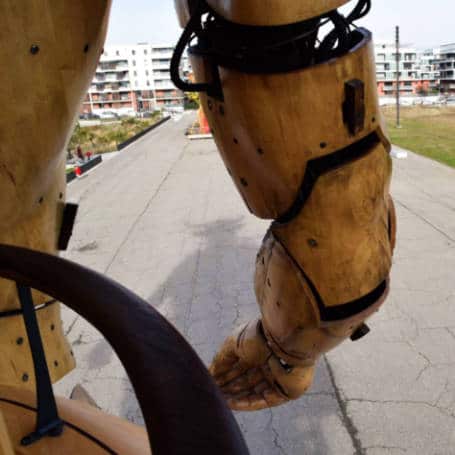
(446, 66)
(133, 78)
(418, 69)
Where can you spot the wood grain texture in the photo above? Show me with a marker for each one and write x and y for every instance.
(270, 126)
(290, 315)
(15, 354)
(272, 12)
(50, 49)
(341, 236)
(118, 435)
(6, 447)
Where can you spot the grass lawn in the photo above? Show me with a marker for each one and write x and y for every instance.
(105, 137)
(428, 131)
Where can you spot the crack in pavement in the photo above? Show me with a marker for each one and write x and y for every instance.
(447, 236)
(346, 419)
(146, 208)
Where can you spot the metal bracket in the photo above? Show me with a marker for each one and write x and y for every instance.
(354, 106)
(362, 331)
(48, 422)
(69, 217)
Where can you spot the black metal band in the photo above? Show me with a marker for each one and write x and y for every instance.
(319, 166)
(20, 312)
(345, 310)
(261, 49)
(48, 422)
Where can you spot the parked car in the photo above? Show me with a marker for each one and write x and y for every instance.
(89, 116)
(108, 115)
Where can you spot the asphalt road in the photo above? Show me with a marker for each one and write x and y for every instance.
(164, 219)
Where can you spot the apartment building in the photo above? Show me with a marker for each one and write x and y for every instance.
(418, 70)
(446, 66)
(133, 78)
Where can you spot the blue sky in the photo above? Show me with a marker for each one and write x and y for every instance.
(422, 23)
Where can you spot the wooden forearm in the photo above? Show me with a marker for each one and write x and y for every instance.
(303, 139)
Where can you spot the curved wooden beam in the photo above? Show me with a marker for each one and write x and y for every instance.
(183, 409)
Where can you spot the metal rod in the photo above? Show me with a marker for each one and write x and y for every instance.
(397, 55)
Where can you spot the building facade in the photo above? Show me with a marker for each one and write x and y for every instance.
(418, 70)
(446, 66)
(131, 79)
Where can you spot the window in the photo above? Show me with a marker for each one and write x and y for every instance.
(133, 52)
(135, 73)
(134, 62)
(148, 83)
(146, 73)
(145, 51)
(117, 53)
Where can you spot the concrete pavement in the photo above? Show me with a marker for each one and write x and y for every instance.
(164, 219)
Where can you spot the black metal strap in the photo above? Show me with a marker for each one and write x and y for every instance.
(19, 312)
(320, 166)
(48, 422)
(66, 230)
(261, 49)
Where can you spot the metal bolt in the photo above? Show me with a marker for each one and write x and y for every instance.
(20, 341)
(34, 49)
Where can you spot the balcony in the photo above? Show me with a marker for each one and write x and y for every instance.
(112, 68)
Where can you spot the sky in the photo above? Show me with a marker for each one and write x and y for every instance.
(424, 24)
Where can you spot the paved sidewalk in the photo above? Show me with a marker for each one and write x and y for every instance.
(164, 219)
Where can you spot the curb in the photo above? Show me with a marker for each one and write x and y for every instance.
(142, 133)
(95, 161)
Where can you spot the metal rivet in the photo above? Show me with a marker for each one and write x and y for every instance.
(25, 377)
(260, 151)
(323, 145)
(41, 200)
(20, 341)
(72, 353)
(86, 48)
(221, 109)
(278, 304)
(236, 141)
(56, 363)
(52, 327)
(243, 182)
(60, 196)
(263, 261)
(269, 283)
(34, 49)
(313, 243)
(373, 119)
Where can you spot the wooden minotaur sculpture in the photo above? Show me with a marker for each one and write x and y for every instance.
(299, 129)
